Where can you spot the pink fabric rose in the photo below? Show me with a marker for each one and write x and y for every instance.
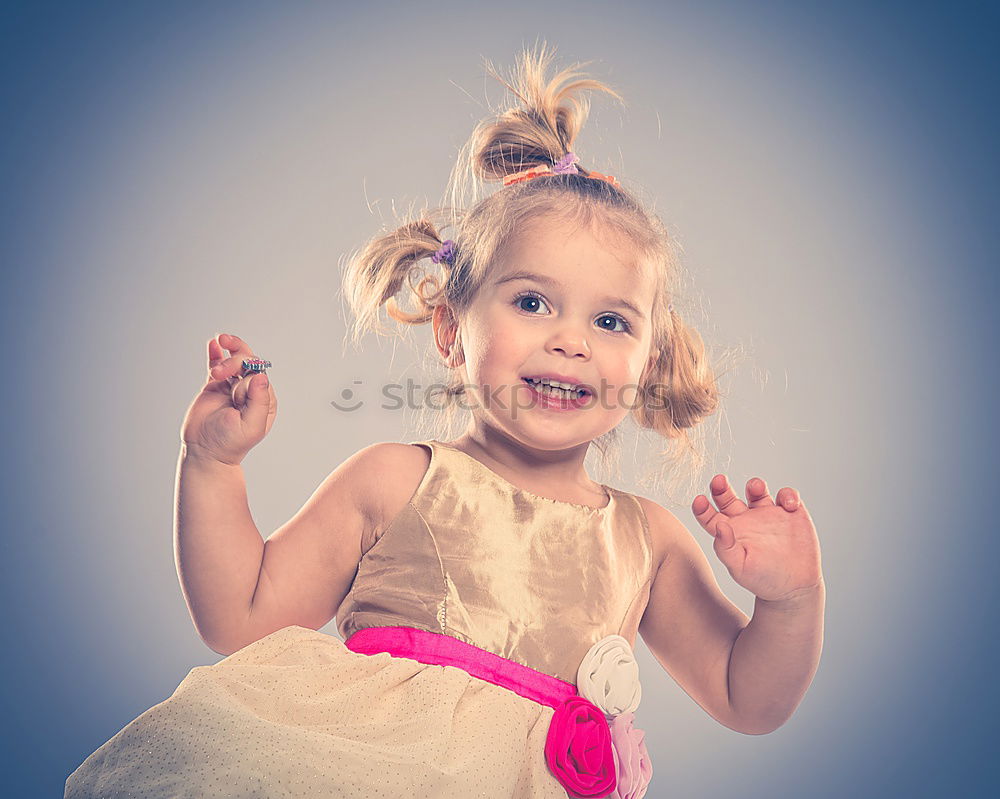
(578, 749)
(632, 764)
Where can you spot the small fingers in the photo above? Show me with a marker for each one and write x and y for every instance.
(757, 494)
(788, 498)
(216, 355)
(724, 496)
(235, 345)
(216, 351)
(707, 516)
(222, 367)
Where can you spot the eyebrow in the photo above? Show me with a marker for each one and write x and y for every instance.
(548, 281)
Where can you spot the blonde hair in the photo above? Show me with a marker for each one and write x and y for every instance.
(539, 129)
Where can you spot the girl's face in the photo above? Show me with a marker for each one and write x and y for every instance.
(557, 303)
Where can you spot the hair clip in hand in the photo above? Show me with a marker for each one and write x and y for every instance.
(253, 365)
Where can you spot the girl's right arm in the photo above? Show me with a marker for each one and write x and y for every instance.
(217, 547)
(238, 587)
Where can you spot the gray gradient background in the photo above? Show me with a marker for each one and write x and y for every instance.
(178, 171)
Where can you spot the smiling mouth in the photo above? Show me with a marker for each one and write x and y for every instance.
(579, 393)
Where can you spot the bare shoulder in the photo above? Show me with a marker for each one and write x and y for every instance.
(388, 478)
(664, 529)
(310, 562)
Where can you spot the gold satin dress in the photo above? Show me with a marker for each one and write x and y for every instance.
(535, 580)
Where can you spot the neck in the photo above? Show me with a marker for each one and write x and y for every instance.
(561, 467)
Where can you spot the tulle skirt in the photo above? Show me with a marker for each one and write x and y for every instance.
(299, 714)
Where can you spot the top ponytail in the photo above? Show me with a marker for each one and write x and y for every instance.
(539, 131)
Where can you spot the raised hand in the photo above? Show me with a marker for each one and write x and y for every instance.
(233, 412)
(770, 549)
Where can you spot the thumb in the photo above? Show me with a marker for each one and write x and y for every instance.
(732, 555)
(258, 402)
(725, 538)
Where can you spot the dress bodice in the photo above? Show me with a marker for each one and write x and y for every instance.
(535, 580)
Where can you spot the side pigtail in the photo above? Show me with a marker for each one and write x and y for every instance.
(375, 275)
(679, 389)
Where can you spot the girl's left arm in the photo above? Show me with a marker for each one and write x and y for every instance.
(775, 657)
(772, 550)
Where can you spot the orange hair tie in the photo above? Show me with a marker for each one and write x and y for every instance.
(528, 174)
(609, 178)
(565, 165)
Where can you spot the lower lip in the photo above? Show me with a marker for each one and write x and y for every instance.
(557, 403)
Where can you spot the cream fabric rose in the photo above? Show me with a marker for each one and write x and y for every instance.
(609, 676)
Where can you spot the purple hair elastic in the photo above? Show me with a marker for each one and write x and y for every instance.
(566, 165)
(446, 253)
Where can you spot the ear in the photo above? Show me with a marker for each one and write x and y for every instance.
(447, 338)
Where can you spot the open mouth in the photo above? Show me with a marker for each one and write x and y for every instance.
(555, 391)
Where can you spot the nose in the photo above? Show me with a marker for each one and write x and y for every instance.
(570, 342)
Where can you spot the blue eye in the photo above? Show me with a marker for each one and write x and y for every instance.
(524, 296)
(530, 295)
(616, 318)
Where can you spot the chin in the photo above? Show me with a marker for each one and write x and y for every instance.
(549, 437)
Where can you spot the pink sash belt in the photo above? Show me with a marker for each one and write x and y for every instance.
(578, 748)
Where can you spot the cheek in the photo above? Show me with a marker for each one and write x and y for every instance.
(497, 337)
(626, 366)
(484, 350)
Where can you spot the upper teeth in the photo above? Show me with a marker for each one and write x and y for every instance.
(556, 383)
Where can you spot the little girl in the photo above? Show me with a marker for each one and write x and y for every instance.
(487, 590)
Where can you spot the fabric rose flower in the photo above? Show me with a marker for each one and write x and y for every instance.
(609, 676)
(632, 764)
(578, 749)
